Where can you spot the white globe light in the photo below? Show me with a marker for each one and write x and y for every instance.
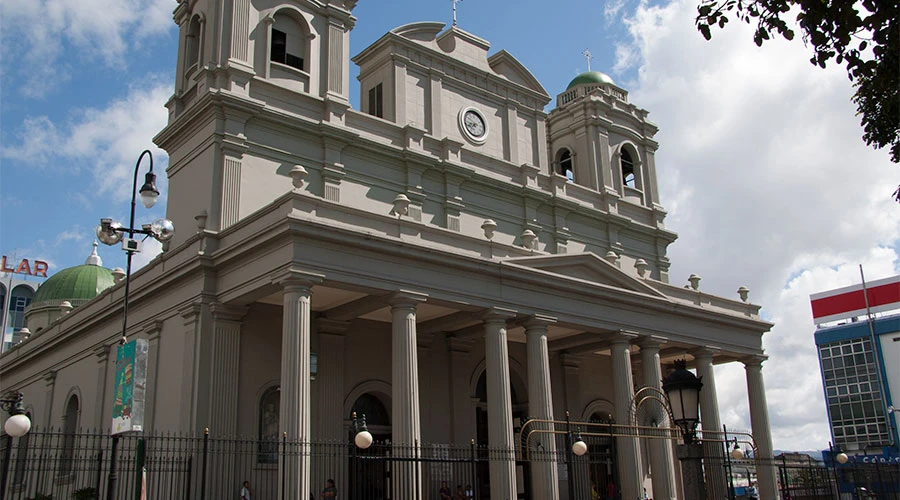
(737, 454)
(163, 229)
(842, 458)
(17, 425)
(110, 236)
(579, 447)
(363, 439)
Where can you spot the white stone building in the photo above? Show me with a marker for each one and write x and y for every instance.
(450, 250)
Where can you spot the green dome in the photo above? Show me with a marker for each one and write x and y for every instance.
(79, 283)
(591, 77)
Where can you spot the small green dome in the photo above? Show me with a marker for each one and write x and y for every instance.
(79, 283)
(591, 77)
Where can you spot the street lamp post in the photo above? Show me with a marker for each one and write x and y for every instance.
(837, 458)
(111, 232)
(734, 454)
(17, 425)
(362, 440)
(682, 389)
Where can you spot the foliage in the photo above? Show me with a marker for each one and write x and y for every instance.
(86, 494)
(862, 35)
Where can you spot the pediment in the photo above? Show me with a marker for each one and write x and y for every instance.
(587, 267)
(504, 64)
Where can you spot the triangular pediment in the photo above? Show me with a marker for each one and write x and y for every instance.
(504, 64)
(587, 267)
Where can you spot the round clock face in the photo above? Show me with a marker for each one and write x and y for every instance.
(473, 125)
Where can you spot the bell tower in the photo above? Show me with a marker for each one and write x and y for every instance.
(601, 141)
(240, 61)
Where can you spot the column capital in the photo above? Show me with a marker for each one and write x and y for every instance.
(153, 329)
(623, 337)
(406, 298)
(50, 377)
(296, 280)
(651, 342)
(537, 321)
(332, 326)
(498, 315)
(226, 312)
(458, 345)
(704, 352)
(754, 361)
(570, 360)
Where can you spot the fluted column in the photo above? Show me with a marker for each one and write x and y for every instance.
(406, 428)
(500, 434)
(711, 425)
(545, 481)
(294, 421)
(662, 465)
(759, 422)
(330, 411)
(626, 446)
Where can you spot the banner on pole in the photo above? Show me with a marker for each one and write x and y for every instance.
(131, 383)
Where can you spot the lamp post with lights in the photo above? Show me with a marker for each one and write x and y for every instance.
(17, 425)
(682, 389)
(111, 232)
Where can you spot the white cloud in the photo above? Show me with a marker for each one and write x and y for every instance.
(106, 142)
(97, 30)
(769, 185)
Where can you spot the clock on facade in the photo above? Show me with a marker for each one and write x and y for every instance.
(473, 125)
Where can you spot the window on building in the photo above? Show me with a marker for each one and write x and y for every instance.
(288, 44)
(192, 44)
(566, 165)
(627, 168)
(18, 301)
(376, 101)
(269, 411)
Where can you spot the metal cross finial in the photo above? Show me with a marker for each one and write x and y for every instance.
(587, 55)
(454, 10)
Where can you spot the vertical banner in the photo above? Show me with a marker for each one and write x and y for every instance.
(131, 383)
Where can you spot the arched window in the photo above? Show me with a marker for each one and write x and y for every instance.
(192, 45)
(627, 168)
(70, 426)
(269, 412)
(288, 43)
(566, 165)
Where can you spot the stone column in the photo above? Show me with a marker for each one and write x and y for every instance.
(759, 422)
(406, 429)
(500, 434)
(626, 446)
(545, 481)
(462, 412)
(294, 421)
(330, 410)
(662, 466)
(714, 465)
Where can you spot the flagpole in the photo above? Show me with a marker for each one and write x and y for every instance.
(877, 357)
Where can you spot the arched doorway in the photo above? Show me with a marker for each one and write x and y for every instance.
(369, 471)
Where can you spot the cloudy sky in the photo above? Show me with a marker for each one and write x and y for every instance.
(761, 165)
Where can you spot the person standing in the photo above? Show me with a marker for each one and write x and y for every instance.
(445, 491)
(245, 491)
(611, 491)
(330, 491)
(470, 493)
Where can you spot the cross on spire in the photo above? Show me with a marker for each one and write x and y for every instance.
(454, 10)
(587, 55)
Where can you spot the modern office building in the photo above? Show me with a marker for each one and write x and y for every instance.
(455, 257)
(19, 280)
(859, 356)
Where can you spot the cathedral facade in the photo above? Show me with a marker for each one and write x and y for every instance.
(449, 253)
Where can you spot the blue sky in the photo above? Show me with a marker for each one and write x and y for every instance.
(761, 166)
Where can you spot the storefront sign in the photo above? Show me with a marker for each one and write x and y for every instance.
(131, 384)
(39, 269)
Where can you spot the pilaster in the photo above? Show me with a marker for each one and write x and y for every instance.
(152, 332)
(102, 354)
(225, 369)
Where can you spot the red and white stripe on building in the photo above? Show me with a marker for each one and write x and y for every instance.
(842, 303)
